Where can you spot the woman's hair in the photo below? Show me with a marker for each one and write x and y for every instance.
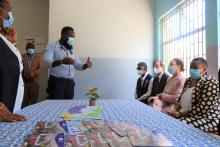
(179, 62)
(201, 61)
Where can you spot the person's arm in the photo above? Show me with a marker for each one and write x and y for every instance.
(78, 64)
(48, 57)
(7, 116)
(49, 60)
(173, 98)
(181, 114)
(147, 94)
(135, 93)
(39, 68)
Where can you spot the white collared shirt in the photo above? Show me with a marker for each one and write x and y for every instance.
(143, 78)
(160, 76)
(20, 90)
(55, 51)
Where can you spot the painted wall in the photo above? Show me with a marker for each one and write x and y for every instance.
(212, 36)
(211, 15)
(218, 8)
(31, 20)
(116, 34)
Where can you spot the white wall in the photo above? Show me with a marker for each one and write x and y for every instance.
(31, 20)
(106, 28)
(116, 34)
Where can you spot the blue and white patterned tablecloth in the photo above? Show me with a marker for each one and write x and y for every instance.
(131, 111)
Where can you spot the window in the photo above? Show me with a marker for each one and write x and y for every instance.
(183, 33)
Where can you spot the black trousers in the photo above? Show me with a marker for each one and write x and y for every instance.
(60, 88)
(219, 127)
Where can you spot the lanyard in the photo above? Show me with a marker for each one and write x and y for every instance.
(29, 62)
(65, 53)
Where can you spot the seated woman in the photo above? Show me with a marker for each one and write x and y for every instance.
(201, 94)
(167, 100)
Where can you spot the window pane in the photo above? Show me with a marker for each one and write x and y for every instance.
(183, 33)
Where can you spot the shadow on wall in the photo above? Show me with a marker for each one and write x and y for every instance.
(114, 78)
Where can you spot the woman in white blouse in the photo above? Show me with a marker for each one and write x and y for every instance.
(11, 82)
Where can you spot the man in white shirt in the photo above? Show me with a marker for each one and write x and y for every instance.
(61, 59)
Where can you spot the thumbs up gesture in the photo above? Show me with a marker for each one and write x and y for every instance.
(88, 63)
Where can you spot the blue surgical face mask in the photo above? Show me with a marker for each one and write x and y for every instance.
(7, 23)
(71, 41)
(30, 51)
(171, 70)
(195, 74)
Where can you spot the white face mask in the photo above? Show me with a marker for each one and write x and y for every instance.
(140, 72)
(157, 70)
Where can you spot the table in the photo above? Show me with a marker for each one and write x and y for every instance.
(114, 110)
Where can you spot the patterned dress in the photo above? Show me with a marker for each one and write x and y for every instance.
(205, 112)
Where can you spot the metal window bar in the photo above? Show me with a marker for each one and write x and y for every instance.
(183, 33)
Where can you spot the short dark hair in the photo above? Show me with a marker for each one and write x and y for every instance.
(66, 29)
(161, 63)
(179, 62)
(142, 64)
(201, 61)
(30, 44)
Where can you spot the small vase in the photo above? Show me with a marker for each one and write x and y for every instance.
(92, 102)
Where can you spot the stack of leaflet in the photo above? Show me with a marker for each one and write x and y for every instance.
(108, 134)
(47, 134)
(93, 134)
(83, 127)
(83, 113)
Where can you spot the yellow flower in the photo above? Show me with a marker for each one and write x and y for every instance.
(92, 90)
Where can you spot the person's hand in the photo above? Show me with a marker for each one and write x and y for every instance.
(157, 104)
(172, 113)
(88, 63)
(7, 116)
(11, 35)
(68, 61)
(152, 99)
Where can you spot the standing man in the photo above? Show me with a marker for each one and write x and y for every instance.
(143, 81)
(32, 63)
(61, 59)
